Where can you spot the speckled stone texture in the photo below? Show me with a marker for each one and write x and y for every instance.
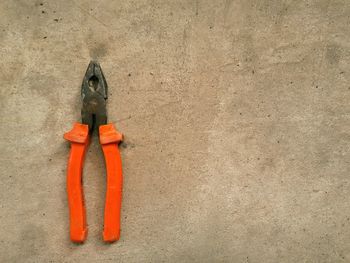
(236, 122)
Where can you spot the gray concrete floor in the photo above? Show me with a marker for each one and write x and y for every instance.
(236, 119)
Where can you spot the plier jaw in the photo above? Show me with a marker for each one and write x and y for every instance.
(94, 96)
(94, 115)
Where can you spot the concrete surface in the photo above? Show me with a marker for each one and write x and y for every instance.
(236, 119)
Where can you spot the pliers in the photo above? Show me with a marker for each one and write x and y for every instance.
(94, 117)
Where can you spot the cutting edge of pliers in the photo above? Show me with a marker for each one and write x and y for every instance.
(94, 115)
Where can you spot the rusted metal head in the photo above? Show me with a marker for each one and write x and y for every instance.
(94, 95)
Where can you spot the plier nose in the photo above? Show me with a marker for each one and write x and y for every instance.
(94, 96)
(94, 115)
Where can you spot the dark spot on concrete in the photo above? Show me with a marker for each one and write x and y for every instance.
(31, 241)
(124, 145)
(151, 73)
(50, 160)
(333, 54)
(210, 27)
(316, 87)
(291, 82)
(56, 19)
(27, 17)
(54, 11)
(98, 50)
(44, 37)
(253, 71)
(41, 3)
(43, 12)
(240, 113)
(278, 141)
(268, 115)
(129, 74)
(342, 72)
(43, 214)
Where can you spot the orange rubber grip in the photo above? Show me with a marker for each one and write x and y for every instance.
(109, 139)
(79, 139)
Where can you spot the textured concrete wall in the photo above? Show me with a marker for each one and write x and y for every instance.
(236, 119)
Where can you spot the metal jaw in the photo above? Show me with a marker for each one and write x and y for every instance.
(94, 96)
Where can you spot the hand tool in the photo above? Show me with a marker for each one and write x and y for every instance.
(94, 117)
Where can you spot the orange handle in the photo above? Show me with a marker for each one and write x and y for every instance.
(79, 138)
(109, 139)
